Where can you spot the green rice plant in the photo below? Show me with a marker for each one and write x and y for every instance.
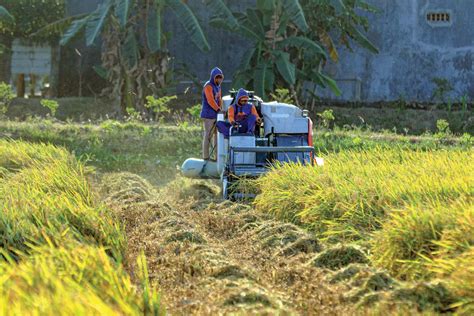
(355, 190)
(73, 280)
(44, 194)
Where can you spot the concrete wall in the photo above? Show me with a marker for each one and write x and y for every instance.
(412, 52)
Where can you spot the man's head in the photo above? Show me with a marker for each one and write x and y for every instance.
(218, 79)
(243, 100)
(217, 76)
(242, 97)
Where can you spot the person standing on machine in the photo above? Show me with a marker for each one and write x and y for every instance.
(211, 105)
(242, 114)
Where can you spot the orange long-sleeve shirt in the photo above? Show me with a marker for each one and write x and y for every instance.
(231, 114)
(210, 98)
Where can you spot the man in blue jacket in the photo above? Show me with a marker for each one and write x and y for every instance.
(211, 105)
(242, 115)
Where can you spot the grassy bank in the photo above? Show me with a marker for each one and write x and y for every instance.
(156, 151)
(61, 250)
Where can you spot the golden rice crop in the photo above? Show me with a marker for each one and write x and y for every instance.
(458, 273)
(415, 209)
(60, 251)
(44, 193)
(71, 280)
(348, 197)
(413, 236)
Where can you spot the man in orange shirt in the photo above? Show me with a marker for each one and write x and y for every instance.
(211, 105)
(242, 115)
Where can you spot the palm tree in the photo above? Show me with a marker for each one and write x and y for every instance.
(134, 56)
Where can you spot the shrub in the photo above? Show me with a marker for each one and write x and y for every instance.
(327, 117)
(52, 105)
(195, 112)
(158, 106)
(6, 96)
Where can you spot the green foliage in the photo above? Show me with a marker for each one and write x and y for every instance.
(327, 117)
(136, 47)
(282, 95)
(443, 129)
(159, 106)
(195, 112)
(31, 16)
(133, 114)
(464, 100)
(443, 87)
(52, 105)
(6, 96)
(5, 16)
(290, 40)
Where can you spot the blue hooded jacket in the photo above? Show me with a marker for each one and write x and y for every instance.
(241, 112)
(207, 111)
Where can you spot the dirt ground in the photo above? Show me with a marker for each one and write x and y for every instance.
(220, 258)
(214, 257)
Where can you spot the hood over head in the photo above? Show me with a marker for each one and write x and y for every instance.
(215, 72)
(240, 94)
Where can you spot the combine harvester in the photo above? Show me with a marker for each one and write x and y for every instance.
(285, 135)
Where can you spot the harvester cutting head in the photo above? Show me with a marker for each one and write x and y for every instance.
(286, 135)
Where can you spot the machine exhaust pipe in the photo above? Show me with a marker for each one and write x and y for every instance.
(221, 147)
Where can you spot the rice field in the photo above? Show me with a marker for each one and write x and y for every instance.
(385, 227)
(61, 251)
(413, 210)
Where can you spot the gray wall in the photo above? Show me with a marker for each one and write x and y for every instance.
(412, 52)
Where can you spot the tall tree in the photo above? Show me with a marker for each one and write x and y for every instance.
(134, 55)
(292, 40)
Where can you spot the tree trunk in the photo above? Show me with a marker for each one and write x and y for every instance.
(5, 59)
(20, 86)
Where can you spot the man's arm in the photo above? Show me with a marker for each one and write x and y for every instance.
(254, 112)
(210, 98)
(230, 115)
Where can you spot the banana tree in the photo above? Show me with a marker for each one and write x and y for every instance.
(134, 56)
(5, 16)
(287, 50)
